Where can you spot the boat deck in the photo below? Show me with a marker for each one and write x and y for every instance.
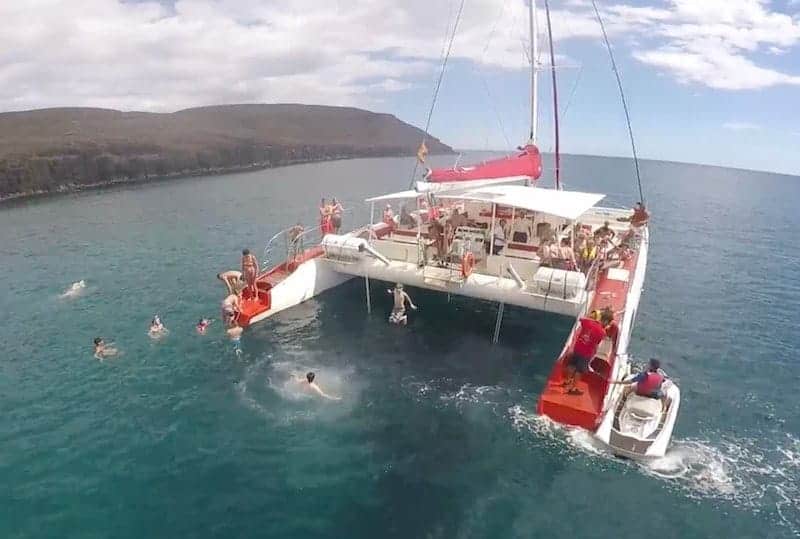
(585, 409)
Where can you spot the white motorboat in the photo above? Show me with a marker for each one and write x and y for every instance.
(640, 427)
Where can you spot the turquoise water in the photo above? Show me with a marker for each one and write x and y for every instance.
(436, 434)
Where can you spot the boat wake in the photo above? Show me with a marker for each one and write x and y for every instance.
(742, 471)
(75, 290)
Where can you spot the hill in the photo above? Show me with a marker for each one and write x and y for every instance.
(69, 148)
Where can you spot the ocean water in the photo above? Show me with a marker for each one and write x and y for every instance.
(436, 435)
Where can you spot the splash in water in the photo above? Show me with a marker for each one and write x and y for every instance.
(75, 289)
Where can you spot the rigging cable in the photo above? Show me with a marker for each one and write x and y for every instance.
(624, 101)
(438, 85)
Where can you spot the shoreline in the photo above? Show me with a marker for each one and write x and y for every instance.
(66, 189)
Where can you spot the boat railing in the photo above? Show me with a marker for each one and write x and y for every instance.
(284, 247)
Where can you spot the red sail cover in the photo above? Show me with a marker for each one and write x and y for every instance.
(528, 162)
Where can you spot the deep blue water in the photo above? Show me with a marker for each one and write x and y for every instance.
(436, 435)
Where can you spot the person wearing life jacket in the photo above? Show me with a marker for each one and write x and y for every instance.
(647, 383)
(588, 338)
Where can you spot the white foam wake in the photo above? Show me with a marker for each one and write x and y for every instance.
(741, 470)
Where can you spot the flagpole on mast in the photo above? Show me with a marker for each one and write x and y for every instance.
(534, 78)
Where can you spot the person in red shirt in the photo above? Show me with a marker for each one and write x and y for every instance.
(590, 334)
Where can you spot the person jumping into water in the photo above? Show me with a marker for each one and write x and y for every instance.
(232, 280)
(399, 315)
(309, 384)
(103, 350)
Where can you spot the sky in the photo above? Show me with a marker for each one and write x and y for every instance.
(707, 81)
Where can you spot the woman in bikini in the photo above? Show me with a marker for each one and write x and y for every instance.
(250, 271)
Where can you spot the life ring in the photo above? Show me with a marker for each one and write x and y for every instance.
(467, 264)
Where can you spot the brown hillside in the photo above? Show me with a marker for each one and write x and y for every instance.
(58, 149)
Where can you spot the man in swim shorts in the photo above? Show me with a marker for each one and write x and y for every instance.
(399, 315)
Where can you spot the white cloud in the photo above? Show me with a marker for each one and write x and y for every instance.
(145, 55)
(741, 126)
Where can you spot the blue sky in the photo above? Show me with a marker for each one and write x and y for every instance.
(708, 81)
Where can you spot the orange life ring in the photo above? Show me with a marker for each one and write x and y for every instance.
(467, 264)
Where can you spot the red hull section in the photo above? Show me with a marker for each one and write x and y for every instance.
(253, 306)
(585, 410)
(526, 163)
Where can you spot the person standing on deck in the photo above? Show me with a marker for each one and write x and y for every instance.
(322, 225)
(611, 327)
(399, 315)
(590, 334)
(295, 240)
(336, 215)
(250, 272)
(388, 218)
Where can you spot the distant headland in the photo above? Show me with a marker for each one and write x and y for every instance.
(66, 149)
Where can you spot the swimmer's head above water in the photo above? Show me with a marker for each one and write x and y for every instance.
(310, 377)
(98, 341)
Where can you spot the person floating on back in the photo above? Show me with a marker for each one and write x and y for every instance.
(399, 315)
(590, 334)
(647, 384)
(310, 385)
(103, 350)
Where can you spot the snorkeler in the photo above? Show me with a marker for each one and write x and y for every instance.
(309, 384)
(202, 325)
(399, 315)
(103, 350)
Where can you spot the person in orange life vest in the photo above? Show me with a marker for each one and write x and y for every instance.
(647, 384)
(590, 334)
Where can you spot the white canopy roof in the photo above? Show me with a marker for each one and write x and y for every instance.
(394, 196)
(566, 204)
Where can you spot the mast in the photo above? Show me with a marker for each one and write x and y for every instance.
(534, 79)
(555, 94)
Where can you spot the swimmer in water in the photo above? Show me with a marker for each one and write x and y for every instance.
(202, 325)
(309, 384)
(235, 335)
(157, 327)
(103, 350)
(399, 315)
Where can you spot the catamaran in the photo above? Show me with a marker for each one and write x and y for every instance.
(487, 232)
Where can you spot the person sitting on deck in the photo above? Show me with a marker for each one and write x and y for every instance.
(647, 384)
(399, 315)
(589, 336)
(604, 232)
(406, 218)
(545, 257)
(250, 272)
